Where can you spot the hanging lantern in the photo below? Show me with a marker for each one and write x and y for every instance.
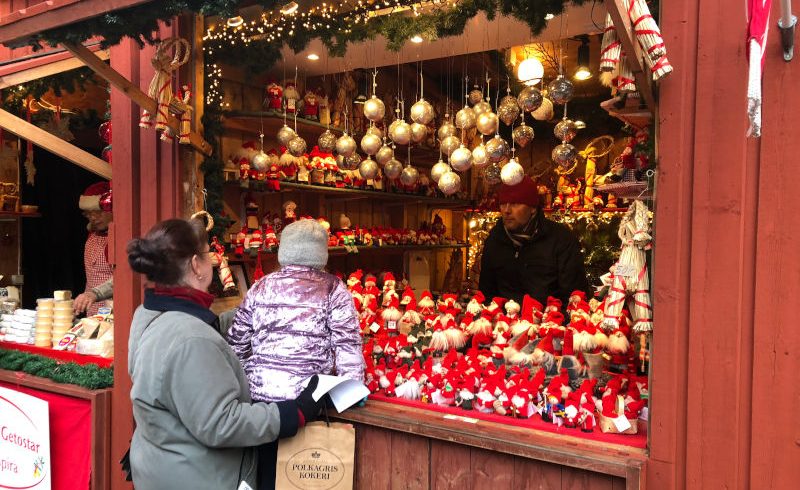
(374, 109)
(370, 144)
(564, 155)
(545, 112)
(327, 141)
(392, 169)
(487, 123)
(479, 156)
(384, 154)
(522, 134)
(446, 129)
(368, 169)
(496, 149)
(449, 144)
(476, 95)
(421, 112)
(461, 159)
(512, 172)
(481, 107)
(529, 99)
(508, 110)
(285, 135)
(560, 90)
(401, 133)
(345, 145)
(565, 130)
(418, 132)
(439, 169)
(409, 176)
(492, 174)
(297, 146)
(465, 118)
(449, 183)
(260, 161)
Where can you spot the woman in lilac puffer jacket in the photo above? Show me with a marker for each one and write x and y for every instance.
(294, 323)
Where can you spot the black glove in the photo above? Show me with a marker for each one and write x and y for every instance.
(306, 404)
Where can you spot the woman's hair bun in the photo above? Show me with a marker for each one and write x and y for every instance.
(164, 253)
(144, 257)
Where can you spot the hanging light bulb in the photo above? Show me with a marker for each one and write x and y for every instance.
(582, 72)
(530, 71)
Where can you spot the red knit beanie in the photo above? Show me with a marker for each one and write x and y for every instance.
(526, 192)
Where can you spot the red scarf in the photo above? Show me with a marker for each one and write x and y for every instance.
(201, 298)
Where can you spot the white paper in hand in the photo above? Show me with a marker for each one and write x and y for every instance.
(344, 392)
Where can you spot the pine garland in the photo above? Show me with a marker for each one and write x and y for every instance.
(89, 376)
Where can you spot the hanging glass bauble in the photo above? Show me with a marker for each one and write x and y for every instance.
(492, 174)
(545, 112)
(297, 146)
(401, 134)
(446, 129)
(394, 124)
(439, 169)
(353, 161)
(475, 95)
(481, 107)
(508, 110)
(392, 169)
(327, 141)
(479, 156)
(105, 132)
(529, 99)
(496, 149)
(487, 123)
(461, 159)
(409, 176)
(418, 132)
(512, 172)
(285, 135)
(421, 112)
(368, 168)
(341, 162)
(565, 130)
(465, 118)
(449, 183)
(560, 90)
(345, 145)
(385, 153)
(564, 154)
(376, 131)
(260, 161)
(374, 109)
(370, 144)
(522, 134)
(449, 144)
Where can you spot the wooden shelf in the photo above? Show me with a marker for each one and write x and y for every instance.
(14, 214)
(356, 194)
(341, 251)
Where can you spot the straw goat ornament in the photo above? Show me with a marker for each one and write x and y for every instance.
(170, 54)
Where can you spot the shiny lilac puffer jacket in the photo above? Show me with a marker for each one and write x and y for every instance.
(292, 324)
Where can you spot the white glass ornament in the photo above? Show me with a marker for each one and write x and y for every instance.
(345, 145)
(409, 176)
(418, 132)
(446, 129)
(487, 123)
(370, 144)
(565, 130)
(449, 144)
(461, 159)
(393, 169)
(297, 146)
(479, 156)
(385, 154)
(368, 168)
(522, 134)
(439, 169)
(496, 149)
(449, 183)
(260, 161)
(560, 90)
(401, 134)
(512, 172)
(285, 135)
(421, 112)
(465, 118)
(529, 99)
(374, 109)
(327, 141)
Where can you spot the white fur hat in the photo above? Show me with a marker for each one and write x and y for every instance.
(304, 242)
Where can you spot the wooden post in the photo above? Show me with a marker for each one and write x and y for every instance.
(644, 82)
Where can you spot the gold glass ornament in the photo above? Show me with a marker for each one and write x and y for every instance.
(487, 123)
(465, 118)
(260, 161)
(496, 149)
(461, 159)
(560, 90)
(421, 112)
(492, 174)
(418, 132)
(392, 169)
(545, 112)
(370, 144)
(565, 130)
(327, 141)
(475, 95)
(479, 156)
(449, 144)
(409, 175)
(285, 135)
(446, 129)
(401, 134)
(508, 110)
(368, 168)
(522, 134)
(297, 146)
(439, 169)
(385, 153)
(374, 109)
(376, 131)
(529, 99)
(345, 145)
(512, 172)
(449, 183)
(481, 107)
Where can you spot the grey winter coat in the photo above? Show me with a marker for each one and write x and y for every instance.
(191, 402)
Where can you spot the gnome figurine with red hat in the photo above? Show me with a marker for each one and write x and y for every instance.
(274, 95)
(95, 203)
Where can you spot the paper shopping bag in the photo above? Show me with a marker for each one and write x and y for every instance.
(319, 457)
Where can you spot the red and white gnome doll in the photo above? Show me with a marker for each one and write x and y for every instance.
(291, 97)
(512, 311)
(274, 95)
(311, 105)
(370, 287)
(481, 329)
(426, 304)
(574, 298)
(270, 239)
(391, 316)
(527, 322)
(354, 278)
(475, 305)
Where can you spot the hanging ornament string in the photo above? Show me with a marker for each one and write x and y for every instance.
(295, 111)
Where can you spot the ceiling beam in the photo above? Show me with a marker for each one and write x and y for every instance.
(54, 144)
(644, 81)
(60, 63)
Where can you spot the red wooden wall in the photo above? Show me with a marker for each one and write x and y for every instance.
(727, 273)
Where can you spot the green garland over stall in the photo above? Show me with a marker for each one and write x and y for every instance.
(89, 376)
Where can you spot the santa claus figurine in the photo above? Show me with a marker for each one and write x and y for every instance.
(273, 178)
(270, 239)
(274, 95)
(291, 97)
(289, 212)
(311, 106)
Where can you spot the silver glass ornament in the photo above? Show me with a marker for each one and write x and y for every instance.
(465, 118)
(370, 144)
(418, 132)
(297, 146)
(508, 110)
(449, 183)
(565, 130)
(461, 159)
(392, 169)
(421, 112)
(496, 149)
(260, 161)
(439, 169)
(345, 145)
(401, 134)
(529, 99)
(564, 154)
(353, 161)
(492, 174)
(522, 134)
(487, 123)
(446, 129)
(285, 135)
(475, 95)
(479, 156)
(512, 172)
(374, 109)
(409, 175)
(449, 144)
(368, 168)
(327, 141)
(560, 90)
(481, 107)
(545, 112)
(385, 154)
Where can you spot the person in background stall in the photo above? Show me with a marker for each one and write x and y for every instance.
(294, 323)
(526, 253)
(196, 424)
(95, 202)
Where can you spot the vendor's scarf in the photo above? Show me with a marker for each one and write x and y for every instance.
(526, 234)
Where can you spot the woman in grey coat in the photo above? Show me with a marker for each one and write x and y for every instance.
(195, 421)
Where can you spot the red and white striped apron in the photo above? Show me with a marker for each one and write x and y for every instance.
(98, 270)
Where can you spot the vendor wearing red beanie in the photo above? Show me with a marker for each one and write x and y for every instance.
(526, 253)
(95, 203)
